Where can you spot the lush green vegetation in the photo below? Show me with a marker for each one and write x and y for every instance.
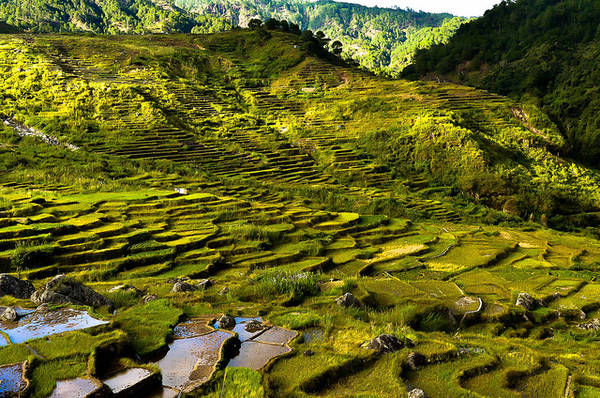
(544, 52)
(288, 178)
(113, 16)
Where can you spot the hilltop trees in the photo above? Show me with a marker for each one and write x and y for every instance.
(380, 39)
(316, 43)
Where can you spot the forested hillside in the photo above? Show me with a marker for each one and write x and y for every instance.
(544, 51)
(104, 16)
(380, 39)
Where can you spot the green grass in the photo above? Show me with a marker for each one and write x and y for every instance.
(73, 344)
(45, 374)
(148, 325)
(296, 285)
(237, 382)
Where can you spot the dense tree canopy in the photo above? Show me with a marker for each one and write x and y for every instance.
(108, 16)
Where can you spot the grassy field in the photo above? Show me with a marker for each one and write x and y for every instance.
(299, 180)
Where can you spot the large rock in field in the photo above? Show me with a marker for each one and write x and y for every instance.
(388, 343)
(9, 314)
(11, 286)
(526, 301)
(64, 290)
(181, 286)
(348, 300)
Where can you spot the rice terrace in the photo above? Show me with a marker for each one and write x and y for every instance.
(247, 214)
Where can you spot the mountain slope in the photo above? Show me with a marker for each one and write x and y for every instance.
(545, 51)
(380, 39)
(107, 16)
(186, 177)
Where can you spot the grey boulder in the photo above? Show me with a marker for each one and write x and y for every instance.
(64, 290)
(9, 314)
(227, 322)
(348, 300)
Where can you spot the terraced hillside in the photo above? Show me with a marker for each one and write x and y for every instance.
(184, 178)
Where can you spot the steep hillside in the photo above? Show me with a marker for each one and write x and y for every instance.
(544, 51)
(398, 137)
(187, 177)
(380, 39)
(108, 16)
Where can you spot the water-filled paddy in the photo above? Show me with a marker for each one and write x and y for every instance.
(76, 388)
(11, 380)
(42, 324)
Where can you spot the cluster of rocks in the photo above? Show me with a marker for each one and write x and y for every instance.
(64, 290)
(11, 286)
(594, 324)
(253, 326)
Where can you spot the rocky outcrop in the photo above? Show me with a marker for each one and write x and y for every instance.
(184, 285)
(227, 322)
(348, 300)
(11, 286)
(64, 290)
(388, 343)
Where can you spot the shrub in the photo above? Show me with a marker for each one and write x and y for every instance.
(26, 256)
(294, 284)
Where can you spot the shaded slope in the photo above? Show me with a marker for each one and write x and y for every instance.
(545, 51)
